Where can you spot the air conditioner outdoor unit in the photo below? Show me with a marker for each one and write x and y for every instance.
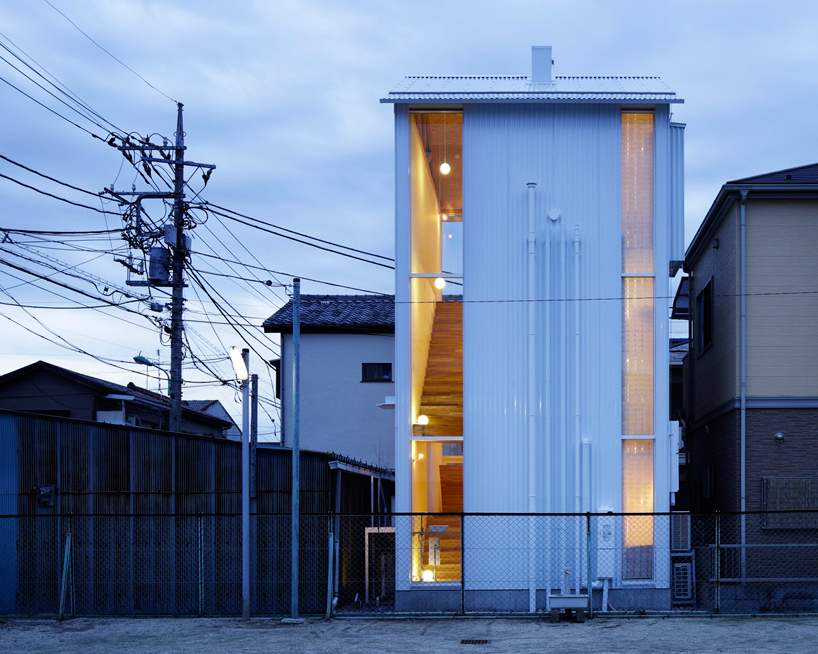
(680, 532)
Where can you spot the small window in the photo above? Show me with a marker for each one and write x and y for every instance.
(376, 372)
(704, 317)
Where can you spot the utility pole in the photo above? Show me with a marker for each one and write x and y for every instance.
(178, 282)
(161, 271)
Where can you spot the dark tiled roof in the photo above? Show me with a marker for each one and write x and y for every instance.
(101, 385)
(800, 175)
(337, 313)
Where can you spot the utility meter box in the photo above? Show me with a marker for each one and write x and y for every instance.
(606, 546)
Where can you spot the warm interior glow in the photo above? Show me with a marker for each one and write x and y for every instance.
(445, 168)
(637, 497)
(428, 575)
(440, 283)
(423, 420)
(444, 217)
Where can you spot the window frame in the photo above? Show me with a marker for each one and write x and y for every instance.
(376, 378)
(704, 318)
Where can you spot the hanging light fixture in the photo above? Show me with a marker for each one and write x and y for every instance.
(440, 283)
(445, 168)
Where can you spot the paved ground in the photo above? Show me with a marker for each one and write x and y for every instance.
(362, 636)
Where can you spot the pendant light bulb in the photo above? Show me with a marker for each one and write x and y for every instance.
(445, 168)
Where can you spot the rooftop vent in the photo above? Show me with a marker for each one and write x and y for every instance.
(541, 64)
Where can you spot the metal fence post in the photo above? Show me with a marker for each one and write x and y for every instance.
(588, 563)
(462, 567)
(65, 566)
(200, 570)
(718, 562)
(330, 549)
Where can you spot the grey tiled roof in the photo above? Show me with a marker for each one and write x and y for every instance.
(799, 175)
(336, 313)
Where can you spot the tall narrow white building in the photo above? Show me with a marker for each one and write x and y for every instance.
(536, 221)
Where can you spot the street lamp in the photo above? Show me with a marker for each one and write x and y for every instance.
(147, 362)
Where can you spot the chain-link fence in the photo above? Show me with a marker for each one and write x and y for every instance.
(410, 563)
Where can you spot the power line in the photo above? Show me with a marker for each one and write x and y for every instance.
(56, 83)
(43, 175)
(57, 197)
(313, 245)
(278, 272)
(292, 231)
(108, 53)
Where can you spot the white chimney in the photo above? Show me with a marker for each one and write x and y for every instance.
(541, 64)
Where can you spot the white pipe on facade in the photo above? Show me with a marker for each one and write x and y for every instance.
(532, 398)
(743, 282)
(563, 415)
(577, 436)
(563, 374)
(549, 487)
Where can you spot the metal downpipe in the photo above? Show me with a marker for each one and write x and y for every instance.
(532, 400)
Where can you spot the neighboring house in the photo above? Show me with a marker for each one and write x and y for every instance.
(752, 406)
(526, 207)
(47, 389)
(347, 355)
(216, 408)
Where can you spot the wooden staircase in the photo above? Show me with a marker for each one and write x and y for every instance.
(442, 399)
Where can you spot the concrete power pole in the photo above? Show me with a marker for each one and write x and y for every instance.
(178, 281)
(174, 237)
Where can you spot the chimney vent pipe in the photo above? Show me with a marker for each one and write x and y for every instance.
(541, 64)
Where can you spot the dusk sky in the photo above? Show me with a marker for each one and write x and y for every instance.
(283, 97)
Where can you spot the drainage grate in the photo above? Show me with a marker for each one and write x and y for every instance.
(474, 641)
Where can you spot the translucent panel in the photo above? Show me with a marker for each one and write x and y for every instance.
(637, 497)
(637, 192)
(637, 356)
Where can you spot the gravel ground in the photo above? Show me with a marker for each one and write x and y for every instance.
(360, 636)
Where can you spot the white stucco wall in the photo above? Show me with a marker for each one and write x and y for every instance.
(339, 412)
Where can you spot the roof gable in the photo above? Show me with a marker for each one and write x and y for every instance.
(798, 175)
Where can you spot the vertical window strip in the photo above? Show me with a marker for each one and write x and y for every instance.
(637, 493)
(637, 344)
(637, 193)
(637, 356)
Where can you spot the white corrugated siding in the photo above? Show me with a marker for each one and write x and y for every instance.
(677, 195)
(573, 154)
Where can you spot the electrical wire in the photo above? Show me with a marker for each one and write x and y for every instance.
(108, 53)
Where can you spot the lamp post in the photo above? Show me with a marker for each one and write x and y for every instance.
(147, 362)
(241, 365)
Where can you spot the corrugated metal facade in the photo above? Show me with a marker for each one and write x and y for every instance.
(573, 154)
(564, 453)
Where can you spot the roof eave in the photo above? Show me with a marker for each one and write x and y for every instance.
(726, 196)
(476, 99)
